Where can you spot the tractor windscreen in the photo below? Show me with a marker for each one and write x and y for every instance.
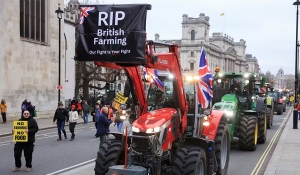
(236, 85)
(190, 96)
(160, 96)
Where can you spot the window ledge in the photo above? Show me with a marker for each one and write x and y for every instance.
(34, 42)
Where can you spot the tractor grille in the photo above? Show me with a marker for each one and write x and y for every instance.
(142, 143)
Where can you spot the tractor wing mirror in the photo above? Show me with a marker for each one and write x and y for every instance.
(207, 112)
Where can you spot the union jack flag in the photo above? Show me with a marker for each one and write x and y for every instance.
(205, 92)
(84, 13)
(152, 76)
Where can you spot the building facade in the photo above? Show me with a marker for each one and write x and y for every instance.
(29, 55)
(221, 49)
(283, 81)
(252, 64)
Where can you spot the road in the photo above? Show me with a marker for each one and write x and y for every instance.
(248, 162)
(50, 155)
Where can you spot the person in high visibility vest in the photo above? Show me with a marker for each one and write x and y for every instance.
(292, 98)
(110, 111)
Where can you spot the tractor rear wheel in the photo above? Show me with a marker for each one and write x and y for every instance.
(248, 133)
(262, 133)
(222, 147)
(107, 156)
(270, 115)
(190, 160)
(279, 109)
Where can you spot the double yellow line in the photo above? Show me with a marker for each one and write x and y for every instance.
(266, 152)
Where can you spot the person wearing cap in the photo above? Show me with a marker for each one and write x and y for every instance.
(73, 117)
(61, 117)
(110, 111)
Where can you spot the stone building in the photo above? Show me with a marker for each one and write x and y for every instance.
(221, 49)
(29, 55)
(252, 64)
(283, 81)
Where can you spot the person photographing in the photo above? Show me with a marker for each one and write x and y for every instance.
(103, 123)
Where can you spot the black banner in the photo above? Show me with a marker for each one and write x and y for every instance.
(112, 33)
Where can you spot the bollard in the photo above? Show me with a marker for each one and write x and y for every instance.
(295, 119)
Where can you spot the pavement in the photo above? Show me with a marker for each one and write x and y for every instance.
(44, 123)
(285, 159)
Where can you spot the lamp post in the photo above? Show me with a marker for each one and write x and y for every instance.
(59, 13)
(295, 115)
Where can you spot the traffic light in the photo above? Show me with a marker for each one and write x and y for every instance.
(107, 87)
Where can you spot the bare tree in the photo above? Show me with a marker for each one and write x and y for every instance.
(86, 72)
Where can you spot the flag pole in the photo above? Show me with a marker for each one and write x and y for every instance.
(223, 23)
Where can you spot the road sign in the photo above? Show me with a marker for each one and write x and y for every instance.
(19, 131)
(59, 87)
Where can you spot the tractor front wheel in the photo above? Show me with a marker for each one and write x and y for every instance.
(190, 160)
(222, 147)
(248, 133)
(107, 156)
(270, 115)
(279, 109)
(262, 134)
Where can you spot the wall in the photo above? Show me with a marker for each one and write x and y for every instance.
(29, 70)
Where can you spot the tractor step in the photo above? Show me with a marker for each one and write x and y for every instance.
(119, 169)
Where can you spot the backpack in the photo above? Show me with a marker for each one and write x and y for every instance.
(24, 107)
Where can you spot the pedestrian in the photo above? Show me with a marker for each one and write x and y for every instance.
(95, 111)
(61, 116)
(119, 121)
(103, 124)
(79, 109)
(86, 111)
(73, 117)
(28, 147)
(3, 108)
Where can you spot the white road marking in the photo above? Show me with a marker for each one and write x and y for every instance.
(4, 144)
(71, 167)
(95, 139)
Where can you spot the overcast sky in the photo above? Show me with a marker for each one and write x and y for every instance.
(268, 26)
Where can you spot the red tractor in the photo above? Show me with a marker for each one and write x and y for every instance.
(170, 138)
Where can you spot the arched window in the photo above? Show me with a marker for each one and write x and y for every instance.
(193, 35)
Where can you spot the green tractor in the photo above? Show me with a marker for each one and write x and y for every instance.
(235, 94)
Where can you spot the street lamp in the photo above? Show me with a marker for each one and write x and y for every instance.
(59, 13)
(295, 115)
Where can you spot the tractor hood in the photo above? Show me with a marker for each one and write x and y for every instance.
(153, 119)
(229, 102)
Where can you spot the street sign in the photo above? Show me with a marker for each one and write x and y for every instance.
(59, 87)
(20, 134)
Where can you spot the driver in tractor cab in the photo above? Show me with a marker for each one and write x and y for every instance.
(235, 88)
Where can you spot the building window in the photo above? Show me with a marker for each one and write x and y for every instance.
(193, 35)
(33, 15)
(99, 85)
(192, 53)
(191, 66)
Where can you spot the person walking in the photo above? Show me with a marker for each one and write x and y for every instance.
(85, 111)
(61, 116)
(28, 147)
(103, 124)
(95, 111)
(3, 108)
(119, 121)
(73, 117)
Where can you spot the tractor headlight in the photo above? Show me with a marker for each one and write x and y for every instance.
(153, 130)
(219, 80)
(134, 129)
(252, 97)
(229, 113)
(284, 98)
(123, 112)
(205, 122)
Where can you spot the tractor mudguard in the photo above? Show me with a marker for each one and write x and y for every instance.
(280, 101)
(211, 130)
(117, 135)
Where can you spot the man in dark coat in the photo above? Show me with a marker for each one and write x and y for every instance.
(61, 115)
(103, 123)
(26, 146)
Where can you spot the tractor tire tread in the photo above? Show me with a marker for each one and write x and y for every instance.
(246, 133)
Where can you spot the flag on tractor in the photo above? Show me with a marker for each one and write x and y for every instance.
(152, 76)
(205, 92)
